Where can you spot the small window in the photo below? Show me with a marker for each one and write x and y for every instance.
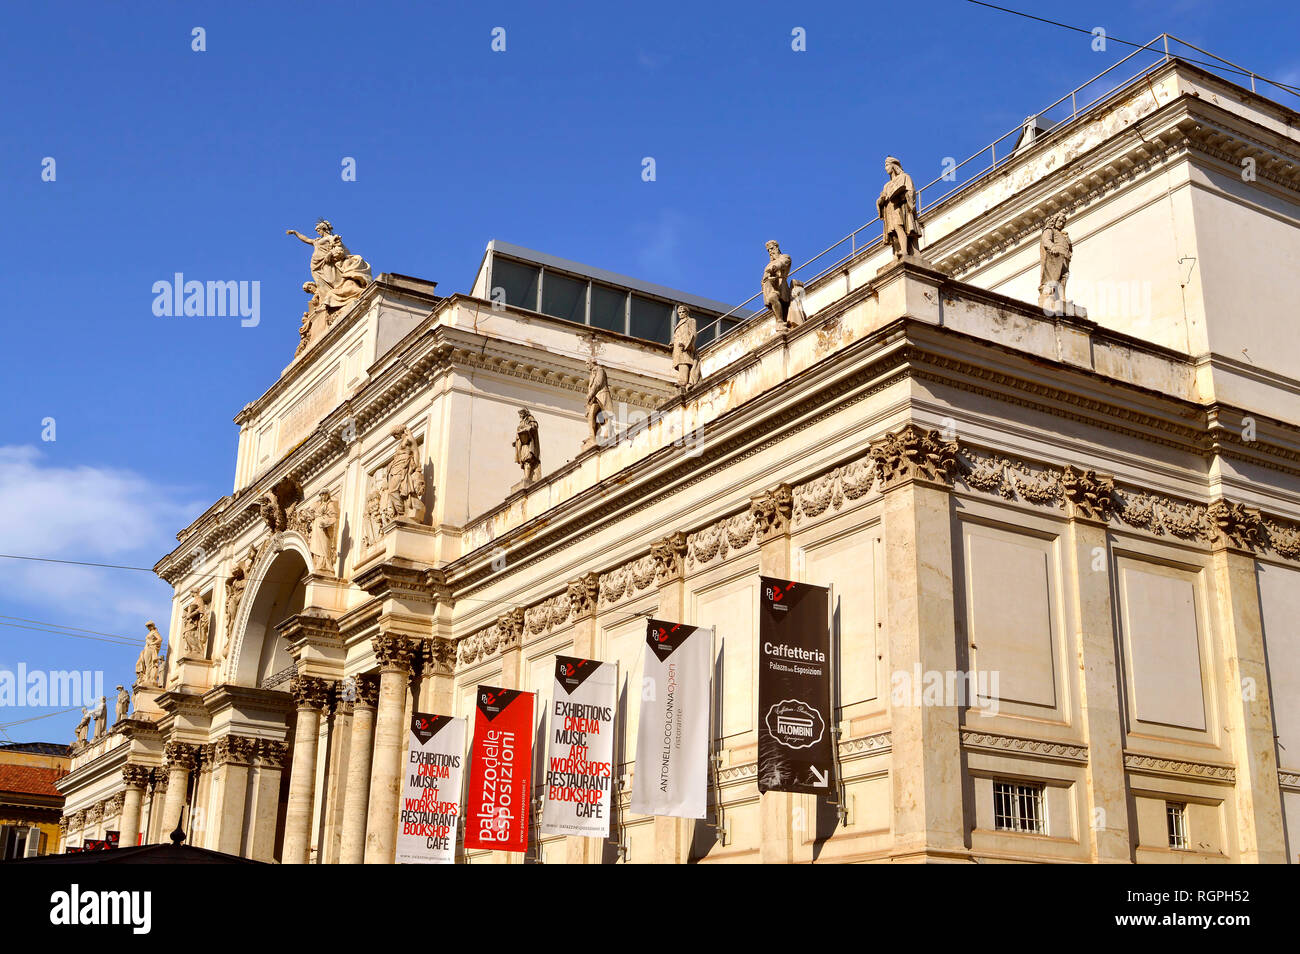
(564, 298)
(517, 281)
(609, 309)
(1018, 807)
(652, 320)
(1176, 813)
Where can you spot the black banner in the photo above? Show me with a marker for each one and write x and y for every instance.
(796, 749)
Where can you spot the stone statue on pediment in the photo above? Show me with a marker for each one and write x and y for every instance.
(403, 495)
(599, 400)
(685, 359)
(528, 446)
(372, 520)
(776, 282)
(337, 279)
(123, 705)
(148, 665)
(898, 212)
(240, 575)
(100, 715)
(796, 316)
(83, 727)
(1055, 250)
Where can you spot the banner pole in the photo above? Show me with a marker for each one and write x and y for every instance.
(841, 801)
(715, 755)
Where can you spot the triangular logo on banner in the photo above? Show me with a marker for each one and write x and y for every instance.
(424, 726)
(571, 672)
(493, 701)
(663, 637)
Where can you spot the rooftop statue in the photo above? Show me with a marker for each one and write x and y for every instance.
(776, 282)
(148, 666)
(123, 705)
(82, 728)
(528, 447)
(337, 278)
(685, 359)
(599, 399)
(1055, 250)
(897, 207)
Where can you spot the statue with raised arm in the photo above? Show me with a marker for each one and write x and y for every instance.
(776, 282)
(685, 360)
(337, 278)
(324, 530)
(403, 495)
(528, 446)
(897, 208)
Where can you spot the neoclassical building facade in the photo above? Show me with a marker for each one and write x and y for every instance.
(1090, 517)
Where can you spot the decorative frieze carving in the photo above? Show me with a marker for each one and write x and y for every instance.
(158, 780)
(1179, 767)
(479, 645)
(1091, 496)
(719, 539)
(865, 745)
(583, 594)
(914, 453)
(310, 692)
(1043, 748)
(63, 826)
(181, 755)
(771, 513)
(852, 481)
(1160, 515)
(113, 805)
(627, 580)
(1235, 524)
(394, 653)
(1285, 540)
(669, 555)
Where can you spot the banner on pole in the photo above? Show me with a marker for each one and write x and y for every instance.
(501, 767)
(580, 755)
(431, 794)
(795, 746)
(672, 740)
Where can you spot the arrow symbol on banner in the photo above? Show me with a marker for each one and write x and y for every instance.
(823, 778)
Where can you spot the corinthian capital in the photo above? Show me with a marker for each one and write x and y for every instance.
(395, 653)
(771, 511)
(309, 692)
(438, 657)
(1091, 495)
(181, 755)
(135, 776)
(1235, 525)
(670, 557)
(914, 454)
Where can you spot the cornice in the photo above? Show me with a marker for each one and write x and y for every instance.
(1180, 768)
(1021, 745)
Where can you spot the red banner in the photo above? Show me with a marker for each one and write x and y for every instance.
(500, 777)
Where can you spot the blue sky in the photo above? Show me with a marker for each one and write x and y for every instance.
(171, 160)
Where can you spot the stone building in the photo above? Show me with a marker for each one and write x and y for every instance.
(1089, 513)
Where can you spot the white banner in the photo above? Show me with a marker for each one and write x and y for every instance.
(431, 794)
(580, 756)
(672, 744)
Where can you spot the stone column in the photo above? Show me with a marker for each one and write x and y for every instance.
(778, 839)
(915, 469)
(233, 757)
(395, 654)
(310, 695)
(259, 842)
(584, 594)
(180, 759)
(336, 774)
(672, 835)
(356, 798)
(157, 797)
(1090, 499)
(1247, 708)
(136, 778)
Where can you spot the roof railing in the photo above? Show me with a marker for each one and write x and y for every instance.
(1160, 44)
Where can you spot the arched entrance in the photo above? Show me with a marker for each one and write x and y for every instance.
(276, 592)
